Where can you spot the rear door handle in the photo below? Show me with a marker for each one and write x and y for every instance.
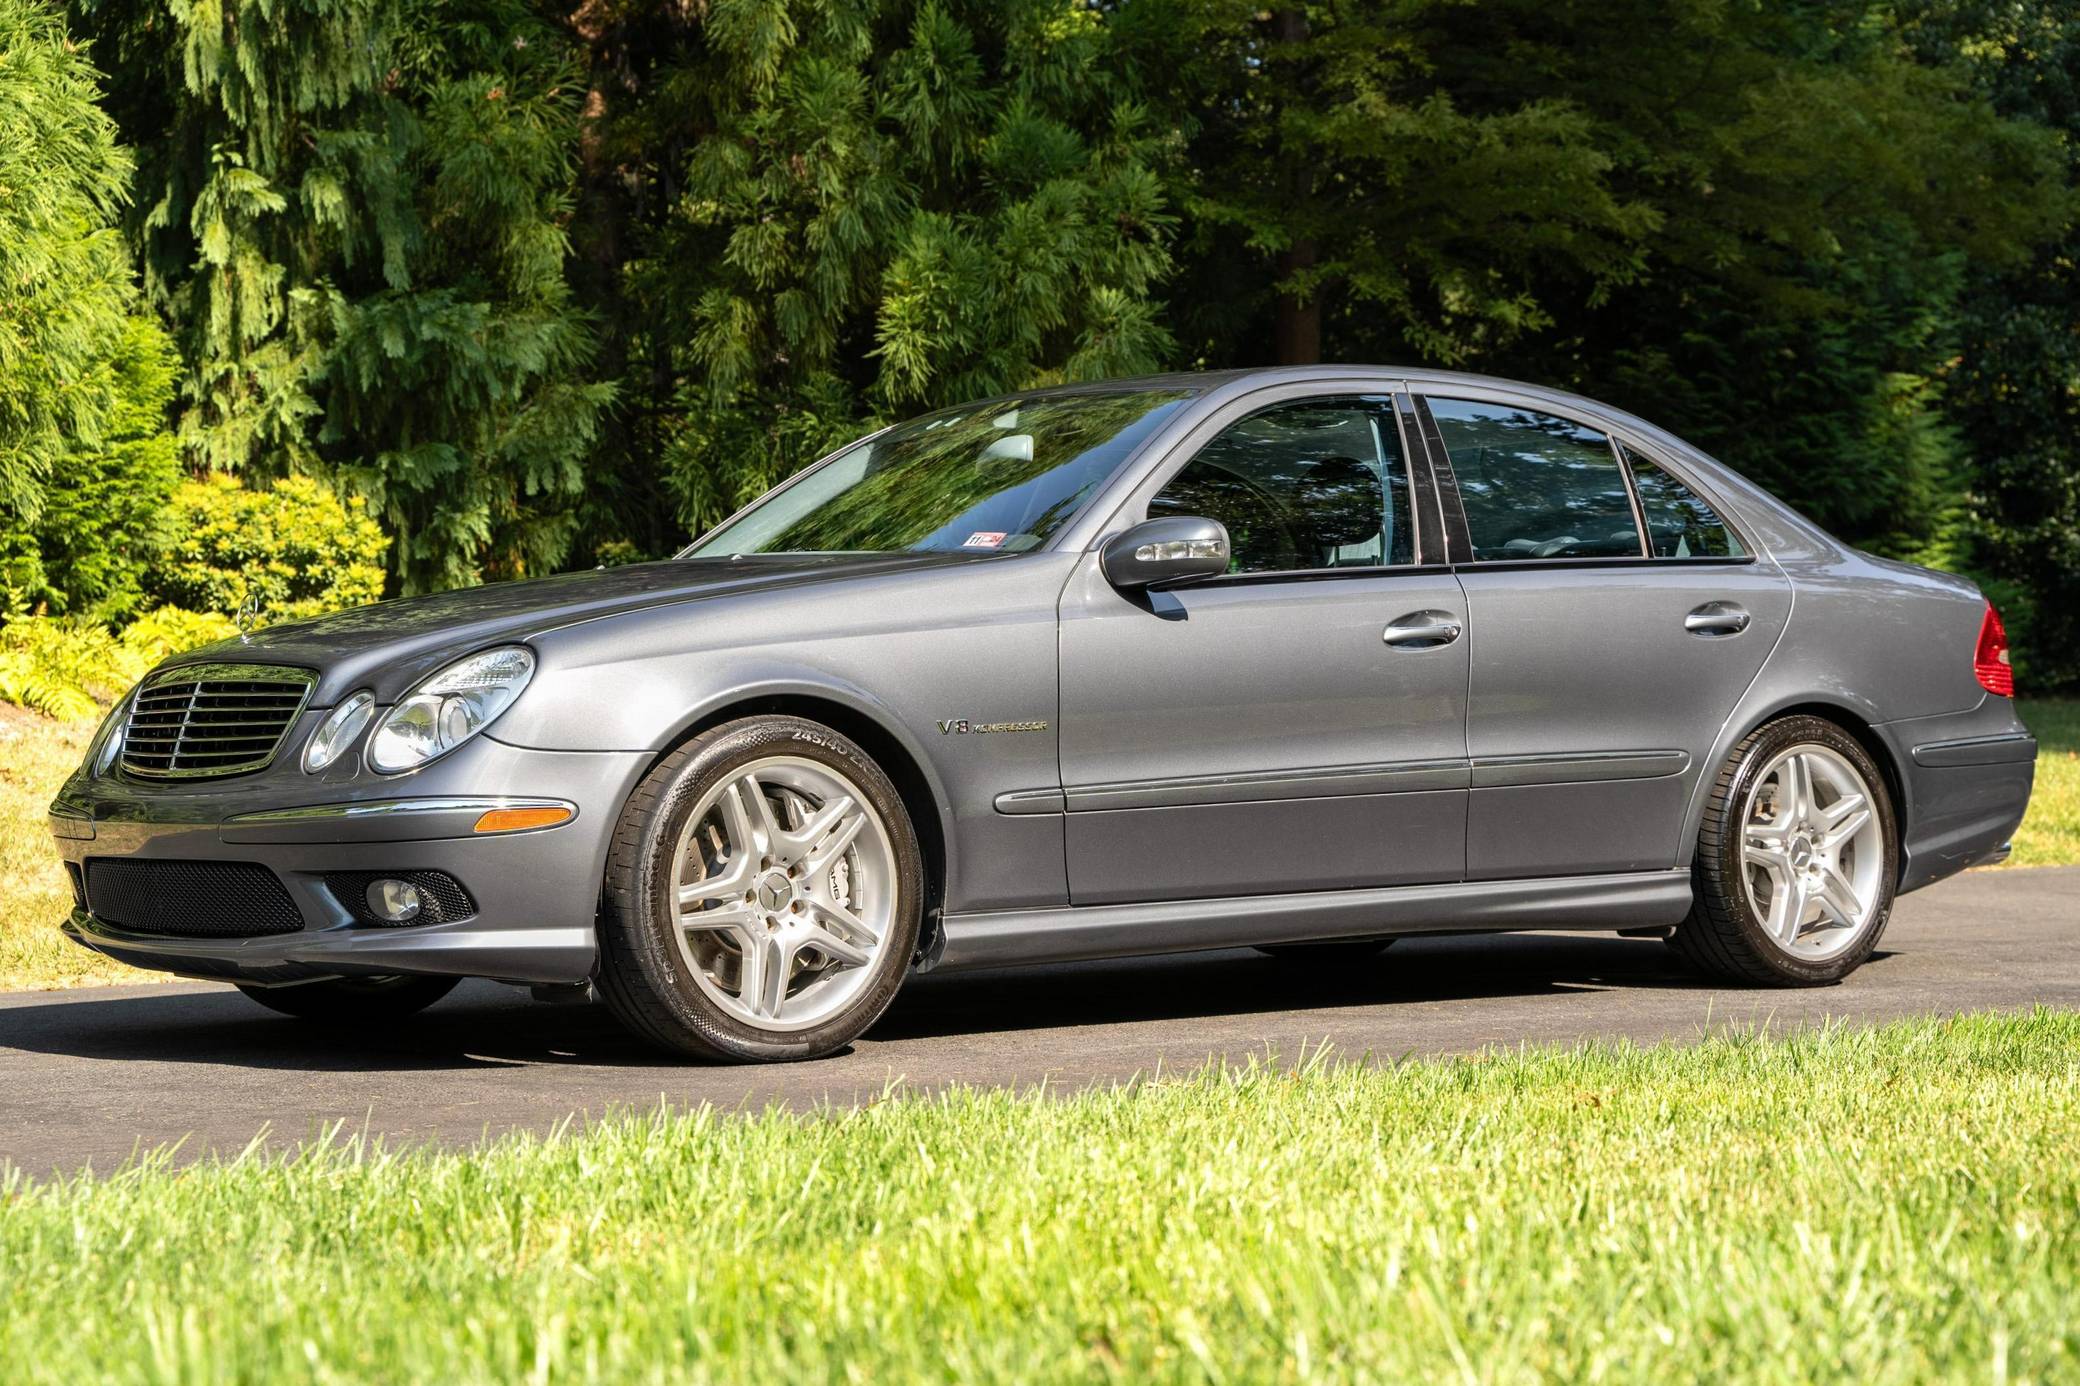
(1423, 630)
(1716, 618)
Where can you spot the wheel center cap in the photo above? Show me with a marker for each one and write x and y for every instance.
(1801, 852)
(775, 892)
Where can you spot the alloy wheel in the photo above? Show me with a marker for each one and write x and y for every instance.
(1812, 851)
(784, 883)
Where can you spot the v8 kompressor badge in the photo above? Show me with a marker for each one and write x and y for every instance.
(961, 726)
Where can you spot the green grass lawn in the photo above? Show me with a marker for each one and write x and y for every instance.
(2050, 834)
(36, 754)
(1880, 1206)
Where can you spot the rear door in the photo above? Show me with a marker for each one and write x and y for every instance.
(1298, 724)
(1617, 617)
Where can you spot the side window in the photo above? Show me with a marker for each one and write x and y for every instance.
(1679, 523)
(1535, 485)
(1317, 483)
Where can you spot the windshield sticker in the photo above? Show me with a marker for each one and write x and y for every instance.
(985, 539)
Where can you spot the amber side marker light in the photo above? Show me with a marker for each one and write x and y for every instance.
(515, 820)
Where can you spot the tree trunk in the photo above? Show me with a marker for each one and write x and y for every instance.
(1296, 334)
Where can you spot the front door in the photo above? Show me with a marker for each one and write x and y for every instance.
(1620, 618)
(1296, 725)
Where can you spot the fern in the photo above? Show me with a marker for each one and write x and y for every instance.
(71, 669)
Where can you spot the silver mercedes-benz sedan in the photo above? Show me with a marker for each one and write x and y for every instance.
(1299, 659)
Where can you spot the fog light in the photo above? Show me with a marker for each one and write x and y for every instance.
(394, 901)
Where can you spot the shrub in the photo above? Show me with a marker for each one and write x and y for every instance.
(68, 668)
(297, 547)
(62, 668)
(170, 631)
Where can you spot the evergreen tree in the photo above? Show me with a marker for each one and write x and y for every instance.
(849, 211)
(105, 519)
(1748, 223)
(65, 286)
(563, 283)
(351, 213)
(1820, 193)
(2014, 388)
(460, 401)
(1349, 187)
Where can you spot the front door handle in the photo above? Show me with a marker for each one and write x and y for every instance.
(1423, 630)
(1715, 619)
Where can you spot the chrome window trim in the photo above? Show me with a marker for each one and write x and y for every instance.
(1222, 413)
(1624, 438)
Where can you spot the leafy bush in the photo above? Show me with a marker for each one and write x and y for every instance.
(297, 547)
(69, 669)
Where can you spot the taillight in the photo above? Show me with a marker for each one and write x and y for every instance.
(1990, 660)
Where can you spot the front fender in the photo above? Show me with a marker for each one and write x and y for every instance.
(919, 656)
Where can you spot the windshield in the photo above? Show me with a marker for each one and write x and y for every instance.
(994, 478)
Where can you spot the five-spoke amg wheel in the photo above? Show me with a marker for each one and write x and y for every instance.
(348, 1000)
(1796, 862)
(763, 894)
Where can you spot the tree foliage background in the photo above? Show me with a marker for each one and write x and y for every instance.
(555, 282)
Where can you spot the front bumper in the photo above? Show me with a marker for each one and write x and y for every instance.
(536, 892)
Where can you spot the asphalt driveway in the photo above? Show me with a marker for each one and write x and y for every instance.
(88, 1077)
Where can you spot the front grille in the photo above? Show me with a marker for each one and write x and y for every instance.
(446, 900)
(190, 899)
(205, 721)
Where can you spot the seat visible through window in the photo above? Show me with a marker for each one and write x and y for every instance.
(1535, 485)
(1306, 485)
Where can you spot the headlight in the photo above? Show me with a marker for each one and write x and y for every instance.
(449, 708)
(338, 731)
(108, 737)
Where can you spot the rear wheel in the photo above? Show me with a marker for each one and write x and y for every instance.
(763, 895)
(1796, 861)
(346, 999)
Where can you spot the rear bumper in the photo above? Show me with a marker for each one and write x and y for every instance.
(536, 892)
(1967, 781)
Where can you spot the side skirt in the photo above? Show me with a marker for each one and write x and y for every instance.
(1633, 900)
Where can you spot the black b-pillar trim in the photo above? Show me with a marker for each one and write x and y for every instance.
(1458, 541)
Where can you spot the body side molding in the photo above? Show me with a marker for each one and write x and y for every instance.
(1575, 767)
(1326, 782)
(1333, 781)
(1977, 750)
(1629, 900)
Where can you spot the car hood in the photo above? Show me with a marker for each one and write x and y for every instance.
(391, 645)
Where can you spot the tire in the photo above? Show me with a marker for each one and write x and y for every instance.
(1759, 833)
(1329, 952)
(344, 1000)
(796, 946)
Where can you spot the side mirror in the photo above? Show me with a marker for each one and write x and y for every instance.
(1165, 550)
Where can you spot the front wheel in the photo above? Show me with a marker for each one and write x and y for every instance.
(1796, 862)
(346, 1000)
(763, 896)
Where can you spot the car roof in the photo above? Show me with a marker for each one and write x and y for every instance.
(1237, 379)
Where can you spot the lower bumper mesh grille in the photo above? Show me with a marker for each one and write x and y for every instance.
(190, 899)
